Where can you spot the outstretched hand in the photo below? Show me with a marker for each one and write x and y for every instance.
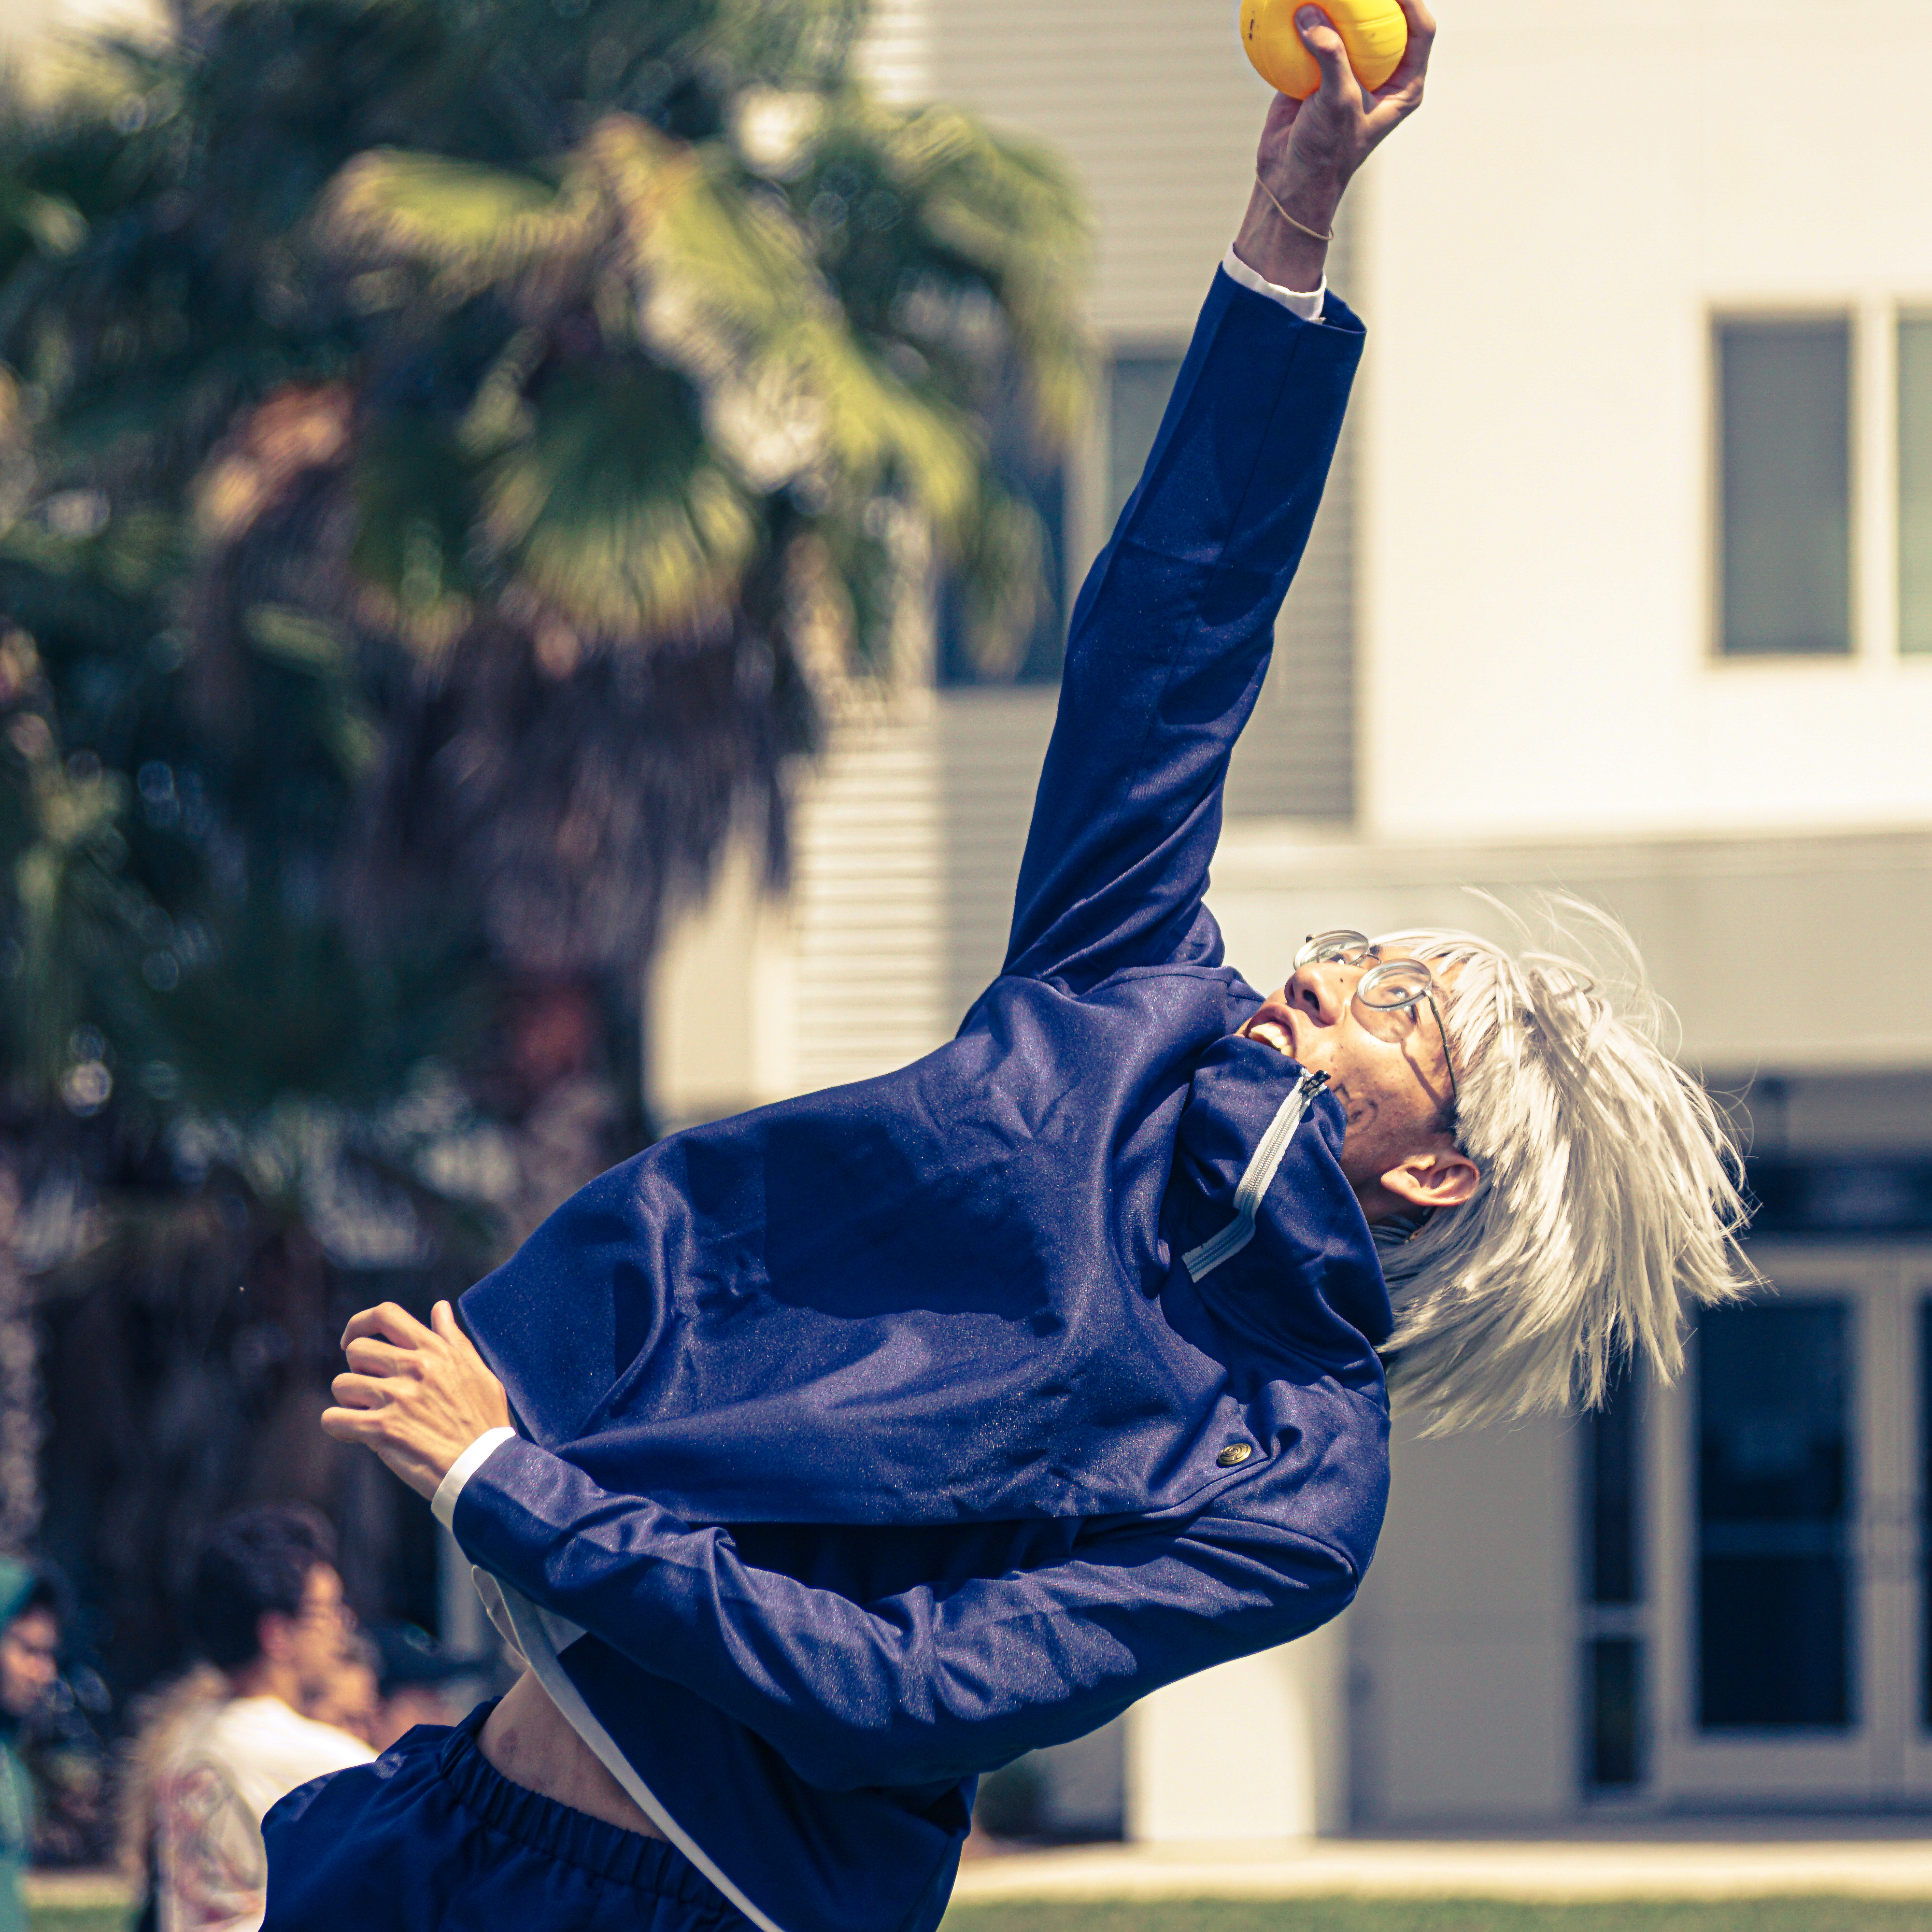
(1310, 149)
(417, 1396)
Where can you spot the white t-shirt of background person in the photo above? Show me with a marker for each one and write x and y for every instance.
(228, 1767)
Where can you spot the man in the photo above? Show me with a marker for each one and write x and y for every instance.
(30, 1638)
(266, 1608)
(864, 1442)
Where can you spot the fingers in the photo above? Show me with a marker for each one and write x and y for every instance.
(1415, 62)
(352, 1425)
(372, 1358)
(390, 1323)
(1319, 37)
(359, 1392)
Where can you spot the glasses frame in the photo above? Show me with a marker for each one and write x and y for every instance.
(1344, 948)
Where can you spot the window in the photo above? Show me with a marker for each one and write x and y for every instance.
(1040, 482)
(1925, 1512)
(1915, 484)
(1137, 392)
(1784, 455)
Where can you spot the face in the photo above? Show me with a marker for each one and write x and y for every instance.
(29, 1661)
(1392, 1080)
(349, 1701)
(312, 1642)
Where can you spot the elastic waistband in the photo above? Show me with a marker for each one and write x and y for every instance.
(653, 1866)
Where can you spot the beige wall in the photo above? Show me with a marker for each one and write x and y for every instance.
(1728, 926)
(1547, 242)
(1464, 1633)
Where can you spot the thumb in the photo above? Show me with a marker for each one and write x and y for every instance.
(1319, 37)
(442, 1319)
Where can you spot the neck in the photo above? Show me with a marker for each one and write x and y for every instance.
(265, 1677)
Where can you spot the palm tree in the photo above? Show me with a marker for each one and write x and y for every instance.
(449, 448)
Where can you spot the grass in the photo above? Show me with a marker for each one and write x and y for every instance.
(1332, 1914)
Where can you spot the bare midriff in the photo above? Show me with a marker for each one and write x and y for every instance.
(530, 1741)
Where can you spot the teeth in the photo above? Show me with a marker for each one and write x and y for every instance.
(1275, 1034)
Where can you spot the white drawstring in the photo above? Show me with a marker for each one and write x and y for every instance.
(1261, 1169)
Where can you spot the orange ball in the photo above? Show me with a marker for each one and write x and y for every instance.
(1374, 32)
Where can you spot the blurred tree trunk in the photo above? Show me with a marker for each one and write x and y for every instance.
(20, 1429)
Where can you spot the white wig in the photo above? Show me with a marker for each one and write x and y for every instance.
(1608, 1206)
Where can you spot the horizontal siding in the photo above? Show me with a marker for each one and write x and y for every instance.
(1152, 103)
(992, 745)
(896, 54)
(866, 904)
(1296, 758)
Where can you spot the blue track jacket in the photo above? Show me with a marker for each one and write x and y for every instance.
(873, 1438)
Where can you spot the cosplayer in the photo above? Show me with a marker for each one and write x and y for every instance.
(822, 1459)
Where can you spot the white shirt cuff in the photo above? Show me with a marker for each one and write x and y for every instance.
(442, 1505)
(1309, 307)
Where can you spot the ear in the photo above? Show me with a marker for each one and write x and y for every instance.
(1442, 1177)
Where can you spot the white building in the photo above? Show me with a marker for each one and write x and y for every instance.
(1623, 583)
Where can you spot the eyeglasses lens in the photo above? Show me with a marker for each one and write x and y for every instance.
(1334, 949)
(1389, 997)
(1398, 982)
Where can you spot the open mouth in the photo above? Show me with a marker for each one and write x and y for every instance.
(1274, 1032)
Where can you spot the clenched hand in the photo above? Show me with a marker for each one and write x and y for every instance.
(417, 1396)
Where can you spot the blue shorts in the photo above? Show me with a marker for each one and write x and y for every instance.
(431, 1838)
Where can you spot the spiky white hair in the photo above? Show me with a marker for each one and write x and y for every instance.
(1608, 1207)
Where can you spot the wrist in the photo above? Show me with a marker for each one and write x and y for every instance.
(1310, 193)
(1285, 240)
(442, 1497)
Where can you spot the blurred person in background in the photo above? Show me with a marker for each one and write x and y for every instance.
(387, 1681)
(156, 1720)
(422, 1683)
(351, 1698)
(266, 1608)
(30, 1641)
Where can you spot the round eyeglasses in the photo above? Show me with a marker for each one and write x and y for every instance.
(1389, 992)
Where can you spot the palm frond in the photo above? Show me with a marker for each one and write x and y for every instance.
(467, 226)
(613, 512)
(737, 297)
(1006, 205)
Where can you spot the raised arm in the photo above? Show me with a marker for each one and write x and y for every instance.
(1171, 633)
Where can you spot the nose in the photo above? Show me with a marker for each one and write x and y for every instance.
(1320, 990)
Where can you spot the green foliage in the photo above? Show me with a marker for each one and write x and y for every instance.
(446, 446)
(1331, 1915)
(374, 374)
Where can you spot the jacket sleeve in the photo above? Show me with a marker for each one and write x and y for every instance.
(926, 1687)
(1169, 640)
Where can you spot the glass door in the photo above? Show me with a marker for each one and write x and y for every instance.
(1775, 1479)
(1789, 1492)
(1917, 1550)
